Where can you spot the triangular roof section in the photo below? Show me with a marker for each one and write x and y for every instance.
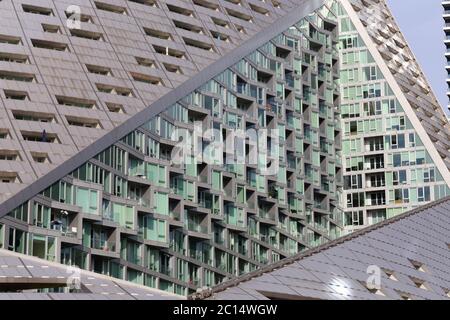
(125, 56)
(403, 251)
(379, 31)
(296, 12)
(24, 272)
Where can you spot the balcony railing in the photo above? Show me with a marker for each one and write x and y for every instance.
(166, 270)
(103, 245)
(192, 226)
(66, 231)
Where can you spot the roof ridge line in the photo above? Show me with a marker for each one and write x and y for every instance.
(416, 61)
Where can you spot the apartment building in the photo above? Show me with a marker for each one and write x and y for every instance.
(226, 136)
(446, 17)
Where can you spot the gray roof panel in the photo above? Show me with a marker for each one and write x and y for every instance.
(26, 270)
(339, 269)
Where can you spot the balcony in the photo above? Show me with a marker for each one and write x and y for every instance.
(174, 215)
(107, 246)
(271, 240)
(219, 240)
(378, 200)
(194, 282)
(195, 227)
(134, 259)
(264, 213)
(321, 227)
(374, 165)
(65, 230)
(262, 260)
(374, 147)
(376, 183)
(242, 88)
(289, 80)
(166, 270)
(320, 205)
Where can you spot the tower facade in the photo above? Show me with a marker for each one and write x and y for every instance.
(446, 16)
(228, 136)
(387, 167)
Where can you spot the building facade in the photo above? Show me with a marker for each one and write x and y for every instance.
(232, 136)
(387, 168)
(446, 16)
(402, 258)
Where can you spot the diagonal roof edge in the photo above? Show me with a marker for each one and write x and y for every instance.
(87, 273)
(304, 8)
(290, 260)
(415, 60)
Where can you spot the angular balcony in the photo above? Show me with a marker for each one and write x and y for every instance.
(100, 244)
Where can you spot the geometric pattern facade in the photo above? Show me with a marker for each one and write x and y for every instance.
(133, 212)
(404, 74)
(78, 84)
(387, 168)
(399, 259)
(446, 17)
(330, 123)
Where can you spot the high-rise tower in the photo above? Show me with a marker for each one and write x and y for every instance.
(395, 135)
(446, 16)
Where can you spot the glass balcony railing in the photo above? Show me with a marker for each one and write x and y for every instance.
(195, 227)
(375, 147)
(262, 259)
(103, 245)
(135, 259)
(219, 240)
(166, 270)
(174, 215)
(321, 227)
(66, 231)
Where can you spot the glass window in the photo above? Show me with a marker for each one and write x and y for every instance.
(156, 174)
(423, 194)
(87, 199)
(217, 180)
(41, 216)
(152, 148)
(2, 234)
(17, 240)
(153, 229)
(161, 203)
(420, 157)
(124, 215)
(412, 140)
(191, 166)
(399, 177)
(397, 160)
(20, 213)
(354, 218)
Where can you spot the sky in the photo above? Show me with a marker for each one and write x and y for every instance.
(422, 25)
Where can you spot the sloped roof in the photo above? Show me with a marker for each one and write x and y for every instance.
(22, 271)
(189, 30)
(411, 250)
